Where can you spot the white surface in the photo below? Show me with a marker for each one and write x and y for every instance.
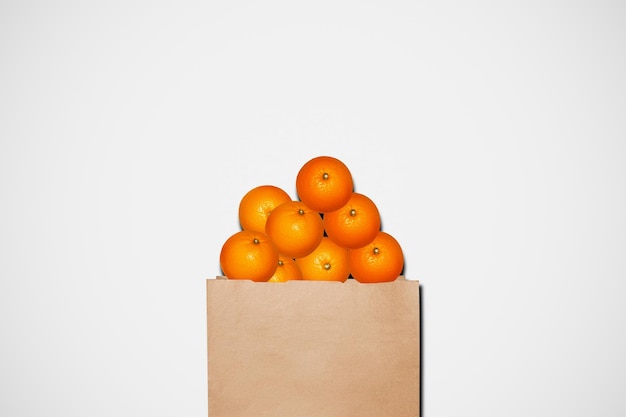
(491, 136)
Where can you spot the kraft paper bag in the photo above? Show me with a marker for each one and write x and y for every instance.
(313, 349)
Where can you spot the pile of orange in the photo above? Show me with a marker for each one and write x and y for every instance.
(329, 233)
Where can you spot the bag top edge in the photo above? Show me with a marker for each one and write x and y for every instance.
(401, 278)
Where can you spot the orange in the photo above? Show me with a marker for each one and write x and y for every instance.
(381, 260)
(328, 262)
(294, 228)
(355, 224)
(249, 255)
(257, 204)
(287, 270)
(324, 183)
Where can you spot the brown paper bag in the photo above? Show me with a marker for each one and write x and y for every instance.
(313, 349)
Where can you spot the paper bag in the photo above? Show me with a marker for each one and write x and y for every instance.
(313, 349)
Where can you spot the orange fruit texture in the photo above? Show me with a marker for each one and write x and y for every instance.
(295, 229)
(257, 204)
(327, 262)
(287, 270)
(324, 184)
(332, 233)
(355, 224)
(381, 260)
(249, 255)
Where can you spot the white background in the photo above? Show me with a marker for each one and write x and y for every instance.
(491, 136)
